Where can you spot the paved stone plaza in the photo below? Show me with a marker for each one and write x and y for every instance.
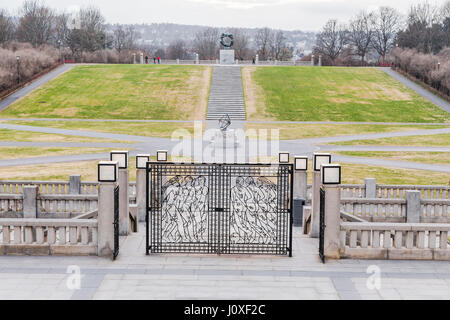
(137, 276)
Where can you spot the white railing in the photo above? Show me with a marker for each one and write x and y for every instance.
(47, 187)
(423, 241)
(49, 236)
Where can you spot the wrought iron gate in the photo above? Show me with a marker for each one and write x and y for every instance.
(322, 225)
(116, 223)
(219, 208)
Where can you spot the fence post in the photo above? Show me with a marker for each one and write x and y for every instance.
(257, 59)
(371, 188)
(197, 61)
(320, 60)
(75, 184)
(105, 220)
(312, 60)
(412, 206)
(30, 201)
(178, 61)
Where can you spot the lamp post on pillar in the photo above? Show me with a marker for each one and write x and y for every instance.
(318, 159)
(331, 179)
(141, 178)
(124, 178)
(107, 182)
(300, 187)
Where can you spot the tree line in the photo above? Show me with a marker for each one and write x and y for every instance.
(370, 36)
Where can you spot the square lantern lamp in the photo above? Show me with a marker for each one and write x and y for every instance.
(141, 161)
(108, 171)
(321, 158)
(283, 157)
(301, 163)
(121, 157)
(331, 173)
(161, 155)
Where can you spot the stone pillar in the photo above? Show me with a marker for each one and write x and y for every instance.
(412, 206)
(124, 210)
(312, 60)
(276, 62)
(178, 61)
(315, 205)
(257, 59)
(141, 192)
(142, 58)
(300, 184)
(134, 58)
(320, 60)
(217, 61)
(75, 184)
(332, 220)
(236, 61)
(197, 61)
(371, 188)
(105, 246)
(30, 201)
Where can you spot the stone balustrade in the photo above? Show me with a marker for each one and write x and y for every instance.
(417, 241)
(48, 236)
(399, 191)
(393, 210)
(11, 205)
(65, 206)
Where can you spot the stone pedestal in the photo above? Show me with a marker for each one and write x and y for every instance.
(227, 57)
(105, 246)
(300, 184)
(30, 201)
(315, 205)
(124, 210)
(141, 194)
(75, 184)
(332, 221)
(371, 188)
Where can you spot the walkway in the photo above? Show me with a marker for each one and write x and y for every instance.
(441, 103)
(169, 276)
(226, 94)
(33, 85)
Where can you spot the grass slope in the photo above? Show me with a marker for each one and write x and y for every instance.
(422, 157)
(435, 140)
(335, 94)
(120, 92)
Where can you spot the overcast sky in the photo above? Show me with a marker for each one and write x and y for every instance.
(280, 14)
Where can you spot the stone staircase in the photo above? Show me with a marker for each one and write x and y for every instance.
(226, 94)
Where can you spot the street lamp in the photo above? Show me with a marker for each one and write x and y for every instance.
(439, 64)
(283, 157)
(141, 161)
(320, 158)
(161, 155)
(301, 163)
(18, 69)
(108, 171)
(121, 157)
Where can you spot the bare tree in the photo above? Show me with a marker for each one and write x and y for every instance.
(331, 40)
(387, 24)
(361, 33)
(263, 41)
(35, 25)
(124, 38)
(7, 27)
(61, 29)
(277, 44)
(206, 43)
(176, 50)
(241, 44)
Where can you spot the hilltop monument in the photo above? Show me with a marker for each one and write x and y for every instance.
(227, 54)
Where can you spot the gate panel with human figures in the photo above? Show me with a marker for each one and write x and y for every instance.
(219, 208)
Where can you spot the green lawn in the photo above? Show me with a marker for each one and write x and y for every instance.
(423, 157)
(120, 92)
(435, 140)
(333, 94)
(149, 129)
